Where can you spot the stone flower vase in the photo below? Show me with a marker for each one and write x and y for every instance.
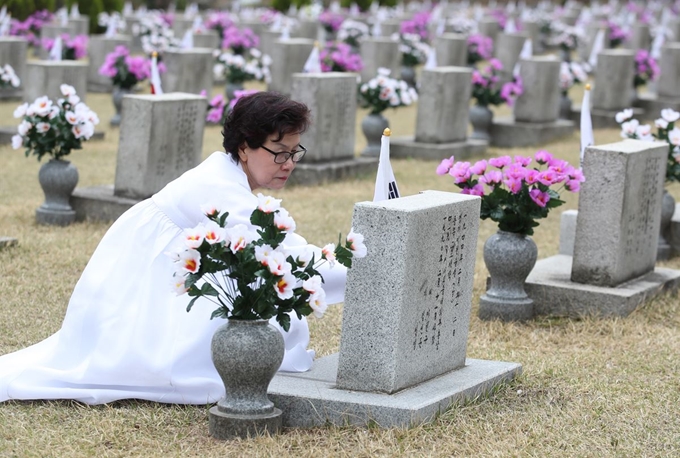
(509, 258)
(663, 251)
(408, 74)
(58, 178)
(231, 88)
(565, 107)
(246, 354)
(373, 126)
(481, 118)
(117, 96)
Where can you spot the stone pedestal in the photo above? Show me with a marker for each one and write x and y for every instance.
(508, 133)
(230, 426)
(100, 46)
(451, 50)
(209, 39)
(614, 79)
(267, 40)
(407, 306)
(390, 27)
(641, 38)
(45, 78)
(80, 25)
(180, 25)
(188, 70)
(306, 29)
(289, 57)
(13, 52)
(379, 52)
(489, 27)
(161, 137)
(442, 120)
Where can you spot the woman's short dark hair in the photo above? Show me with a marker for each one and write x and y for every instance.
(255, 117)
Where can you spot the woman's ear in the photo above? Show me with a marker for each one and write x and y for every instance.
(242, 152)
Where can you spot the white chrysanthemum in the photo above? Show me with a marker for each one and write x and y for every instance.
(624, 115)
(670, 115)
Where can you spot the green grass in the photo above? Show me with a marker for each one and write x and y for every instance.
(590, 388)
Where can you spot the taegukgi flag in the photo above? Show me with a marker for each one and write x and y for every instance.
(587, 138)
(155, 76)
(385, 183)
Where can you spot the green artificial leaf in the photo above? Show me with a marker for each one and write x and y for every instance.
(191, 303)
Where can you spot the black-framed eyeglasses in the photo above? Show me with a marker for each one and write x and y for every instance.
(282, 157)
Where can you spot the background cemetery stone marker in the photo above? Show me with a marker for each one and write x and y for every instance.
(442, 119)
(612, 270)
(377, 52)
(289, 57)
(507, 50)
(406, 316)
(668, 87)
(489, 27)
(80, 25)
(98, 48)
(52, 31)
(451, 50)
(331, 136)
(188, 70)
(535, 113)
(44, 77)
(13, 52)
(207, 39)
(161, 137)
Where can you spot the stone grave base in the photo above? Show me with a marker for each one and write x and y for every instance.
(99, 88)
(603, 119)
(505, 132)
(226, 426)
(403, 147)
(311, 399)
(652, 104)
(97, 203)
(673, 234)
(553, 292)
(11, 95)
(6, 242)
(316, 173)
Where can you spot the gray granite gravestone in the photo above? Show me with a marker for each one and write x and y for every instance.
(489, 27)
(45, 77)
(52, 31)
(668, 87)
(615, 244)
(508, 47)
(80, 25)
(405, 323)
(13, 52)
(377, 52)
(161, 137)
(98, 48)
(209, 39)
(442, 119)
(331, 136)
(451, 50)
(535, 113)
(289, 57)
(188, 70)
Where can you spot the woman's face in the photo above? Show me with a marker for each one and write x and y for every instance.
(259, 163)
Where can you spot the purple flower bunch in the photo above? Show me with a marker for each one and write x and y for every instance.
(486, 87)
(338, 57)
(219, 21)
(331, 21)
(513, 193)
(30, 28)
(72, 48)
(617, 35)
(216, 109)
(124, 70)
(238, 95)
(646, 68)
(240, 41)
(500, 17)
(417, 25)
(480, 47)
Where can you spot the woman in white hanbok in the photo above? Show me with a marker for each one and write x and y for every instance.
(126, 335)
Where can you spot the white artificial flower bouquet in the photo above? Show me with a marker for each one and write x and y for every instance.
(238, 69)
(383, 92)
(8, 77)
(54, 128)
(248, 273)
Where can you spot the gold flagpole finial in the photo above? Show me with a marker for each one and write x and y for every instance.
(154, 54)
(588, 87)
(387, 132)
(317, 44)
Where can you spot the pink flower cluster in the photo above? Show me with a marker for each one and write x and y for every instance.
(238, 95)
(30, 28)
(240, 40)
(485, 86)
(514, 174)
(511, 90)
(646, 68)
(331, 21)
(617, 34)
(219, 21)
(480, 47)
(126, 70)
(338, 57)
(417, 26)
(75, 47)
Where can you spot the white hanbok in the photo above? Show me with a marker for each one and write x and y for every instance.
(126, 335)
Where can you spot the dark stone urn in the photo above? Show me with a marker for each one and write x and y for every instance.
(58, 178)
(373, 126)
(117, 97)
(246, 354)
(481, 118)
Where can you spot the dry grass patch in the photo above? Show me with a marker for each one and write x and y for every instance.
(590, 387)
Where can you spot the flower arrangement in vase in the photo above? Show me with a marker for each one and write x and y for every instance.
(339, 57)
(413, 50)
(219, 21)
(240, 41)
(248, 273)
(571, 73)
(646, 68)
(566, 38)
(238, 68)
(479, 48)
(617, 34)
(515, 193)
(8, 77)
(331, 22)
(31, 27)
(125, 70)
(417, 26)
(72, 48)
(350, 32)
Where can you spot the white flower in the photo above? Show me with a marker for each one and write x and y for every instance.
(178, 282)
(84, 130)
(629, 128)
(305, 256)
(313, 284)
(71, 117)
(210, 209)
(283, 221)
(670, 115)
(20, 111)
(267, 204)
(42, 127)
(17, 141)
(240, 236)
(190, 261)
(674, 136)
(624, 115)
(73, 99)
(317, 302)
(263, 253)
(41, 107)
(329, 253)
(214, 233)
(277, 263)
(356, 244)
(661, 123)
(15, 81)
(67, 90)
(284, 286)
(384, 71)
(24, 127)
(193, 238)
(644, 132)
(54, 112)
